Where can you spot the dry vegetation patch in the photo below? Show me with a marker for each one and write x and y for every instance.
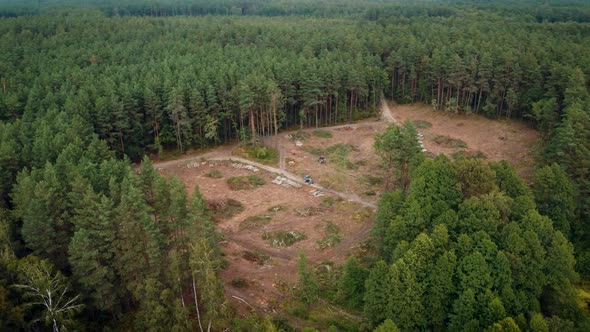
(283, 238)
(224, 208)
(255, 257)
(337, 155)
(262, 154)
(247, 182)
(277, 208)
(449, 142)
(256, 221)
(331, 236)
(239, 283)
(214, 174)
(460, 154)
(510, 140)
(322, 133)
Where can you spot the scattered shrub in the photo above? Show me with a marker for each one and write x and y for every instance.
(331, 238)
(405, 100)
(245, 182)
(256, 221)
(449, 142)
(299, 136)
(461, 154)
(263, 153)
(371, 180)
(329, 201)
(363, 215)
(341, 149)
(283, 238)
(308, 211)
(301, 310)
(334, 181)
(277, 208)
(224, 209)
(239, 283)
(255, 257)
(338, 155)
(214, 174)
(259, 153)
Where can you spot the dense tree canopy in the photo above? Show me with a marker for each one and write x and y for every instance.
(87, 86)
(466, 261)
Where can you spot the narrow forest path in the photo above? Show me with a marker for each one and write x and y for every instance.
(386, 112)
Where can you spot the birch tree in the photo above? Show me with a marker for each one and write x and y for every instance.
(45, 287)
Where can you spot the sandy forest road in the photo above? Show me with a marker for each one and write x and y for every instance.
(386, 112)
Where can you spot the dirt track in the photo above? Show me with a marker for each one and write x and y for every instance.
(264, 291)
(225, 154)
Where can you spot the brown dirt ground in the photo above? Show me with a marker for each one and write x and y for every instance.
(509, 140)
(360, 136)
(264, 290)
(268, 283)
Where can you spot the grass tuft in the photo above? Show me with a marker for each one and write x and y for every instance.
(239, 283)
(255, 257)
(214, 174)
(283, 238)
(449, 142)
(337, 154)
(245, 182)
(322, 133)
(256, 221)
(462, 154)
(299, 136)
(331, 238)
(277, 208)
(224, 209)
(262, 154)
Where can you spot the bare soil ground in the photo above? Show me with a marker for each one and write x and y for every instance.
(509, 140)
(258, 275)
(274, 268)
(301, 160)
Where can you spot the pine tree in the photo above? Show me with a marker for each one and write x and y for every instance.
(47, 288)
(555, 196)
(464, 314)
(308, 286)
(376, 294)
(390, 203)
(138, 243)
(207, 289)
(506, 325)
(351, 287)
(398, 148)
(474, 273)
(387, 326)
(405, 297)
(91, 253)
(476, 177)
(440, 290)
(538, 323)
